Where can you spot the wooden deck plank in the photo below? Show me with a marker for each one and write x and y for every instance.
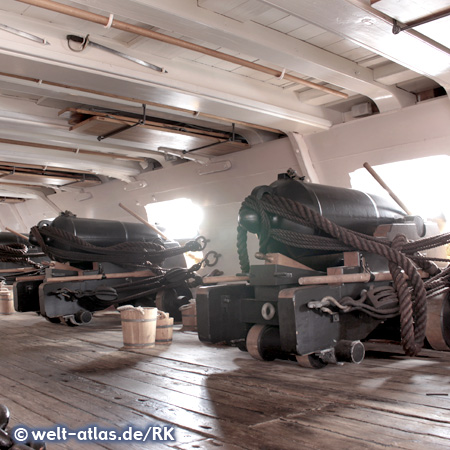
(159, 388)
(325, 437)
(339, 370)
(210, 426)
(59, 389)
(370, 432)
(39, 410)
(209, 444)
(59, 384)
(432, 401)
(221, 397)
(390, 420)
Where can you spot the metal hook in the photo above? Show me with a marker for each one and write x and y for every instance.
(212, 263)
(202, 241)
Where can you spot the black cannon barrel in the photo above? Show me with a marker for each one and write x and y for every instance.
(349, 208)
(10, 238)
(102, 233)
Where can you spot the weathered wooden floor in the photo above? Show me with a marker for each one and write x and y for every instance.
(217, 396)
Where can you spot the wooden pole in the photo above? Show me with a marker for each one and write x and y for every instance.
(350, 278)
(119, 25)
(224, 279)
(17, 234)
(138, 274)
(144, 221)
(19, 270)
(387, 188)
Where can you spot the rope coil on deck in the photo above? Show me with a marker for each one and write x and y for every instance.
(412, 296)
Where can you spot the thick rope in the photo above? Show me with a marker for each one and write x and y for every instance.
(244, 261)
(18, 254)
(405, 302)
(426, 243)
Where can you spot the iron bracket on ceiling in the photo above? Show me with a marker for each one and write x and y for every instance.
(141, 121)
(231, 139)
(397, 28)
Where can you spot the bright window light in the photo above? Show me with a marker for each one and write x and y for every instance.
(421, 184)
(177, 219)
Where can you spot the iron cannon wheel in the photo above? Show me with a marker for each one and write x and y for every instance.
(263, 342)
(438, 323)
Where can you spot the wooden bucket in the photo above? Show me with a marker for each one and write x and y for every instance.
(164, 329)
(189, 316)
(138, 327)
(6, 301)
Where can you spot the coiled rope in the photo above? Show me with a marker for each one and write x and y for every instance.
(18, 253)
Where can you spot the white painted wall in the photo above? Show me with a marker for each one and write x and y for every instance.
(413, 132)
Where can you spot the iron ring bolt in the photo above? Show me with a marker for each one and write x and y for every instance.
(202, 241)
(213, 254)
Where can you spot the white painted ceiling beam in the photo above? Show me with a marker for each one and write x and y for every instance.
(316, 98)
(186, 18)
(357, 21)
(187, 84)
(29, 155)
(19, 192)
(27, 193)
(35, 129)
(393, 73)
(20, 128)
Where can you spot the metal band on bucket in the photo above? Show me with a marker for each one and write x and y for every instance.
(139, 320)
(127, 344)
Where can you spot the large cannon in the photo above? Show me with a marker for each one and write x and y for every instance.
(330, 256)
(100, 263)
